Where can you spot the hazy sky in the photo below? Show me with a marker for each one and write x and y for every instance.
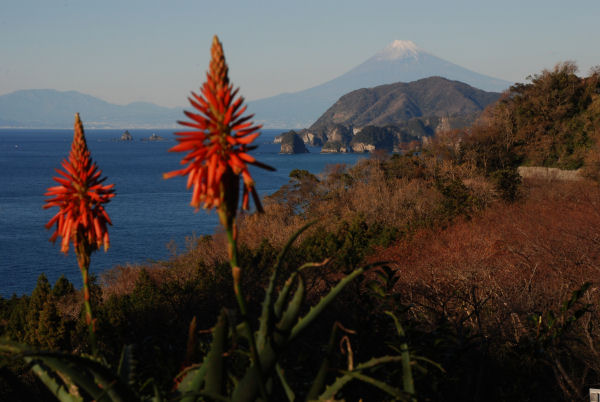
(158, 50)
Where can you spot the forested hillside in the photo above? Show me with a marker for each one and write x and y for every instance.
(552, 121)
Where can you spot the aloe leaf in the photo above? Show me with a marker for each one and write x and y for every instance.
(265, 316)
(376, 288)
(376, 361)
(194, 378)
(314, 264)
(290, 316)
(78, 375)
(319, 381)
(247, 388)
(324, 302)
(289, 243)
(429, 361)
(341, 381)
(157, 395)
(239, 331)
(214, 359)
(46, 374)
(395, 392)
(283, 295)
(286, 387)
(332, 390)
(285, 290)
(7, 345)
(24, 392)
(104, 380)
(96, 379)
(407, 377)
(233, 379)
(111, 384)
(60, 391)
(191, 341)
(127, 366)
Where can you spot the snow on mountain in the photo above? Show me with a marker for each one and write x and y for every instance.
(398, 49)
(400, 61)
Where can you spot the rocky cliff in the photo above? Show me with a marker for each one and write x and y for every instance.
(291, 143)
(126, 136)
(390, 116)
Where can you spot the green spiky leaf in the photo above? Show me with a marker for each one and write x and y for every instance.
(319, 381)
(193, 380)
(407, 377)
(88, 374)
(348, 376)
(266, 313)
(392, 391)
(127, 366)
(63, 392)
(324, 302)
(283, 295)
(214, 359)
(286, 387)
(290, 316)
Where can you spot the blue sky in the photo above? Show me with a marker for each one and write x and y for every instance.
(158, 50)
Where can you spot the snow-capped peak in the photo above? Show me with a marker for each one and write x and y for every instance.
(398, 49)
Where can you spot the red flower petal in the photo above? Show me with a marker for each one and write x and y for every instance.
(79, 196)
(221, 137)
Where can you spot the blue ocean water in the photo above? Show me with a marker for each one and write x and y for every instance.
(147, 211)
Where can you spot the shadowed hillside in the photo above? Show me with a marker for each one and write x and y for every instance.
(396, 103)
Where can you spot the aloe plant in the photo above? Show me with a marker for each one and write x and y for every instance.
(77, 378)
(280, 323)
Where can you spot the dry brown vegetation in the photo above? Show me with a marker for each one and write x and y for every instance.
(549, 243)
(398, 193)
(494, 272)
(393, 193)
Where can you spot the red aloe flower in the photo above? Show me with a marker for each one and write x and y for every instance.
(219, 143)
(81, 218)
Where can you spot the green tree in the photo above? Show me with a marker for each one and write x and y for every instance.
(37, 302)
(51, 332)
(546, 122)
(62, 287)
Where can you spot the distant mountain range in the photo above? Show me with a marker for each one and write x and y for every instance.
(48, 108)
(401, 61)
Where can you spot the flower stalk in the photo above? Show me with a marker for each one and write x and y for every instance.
(81, 218)
(217, 161)
(83, 253)
(236, 274)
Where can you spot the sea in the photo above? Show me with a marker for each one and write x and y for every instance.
(148, 213)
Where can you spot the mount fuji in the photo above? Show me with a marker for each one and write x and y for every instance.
(400, 61)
